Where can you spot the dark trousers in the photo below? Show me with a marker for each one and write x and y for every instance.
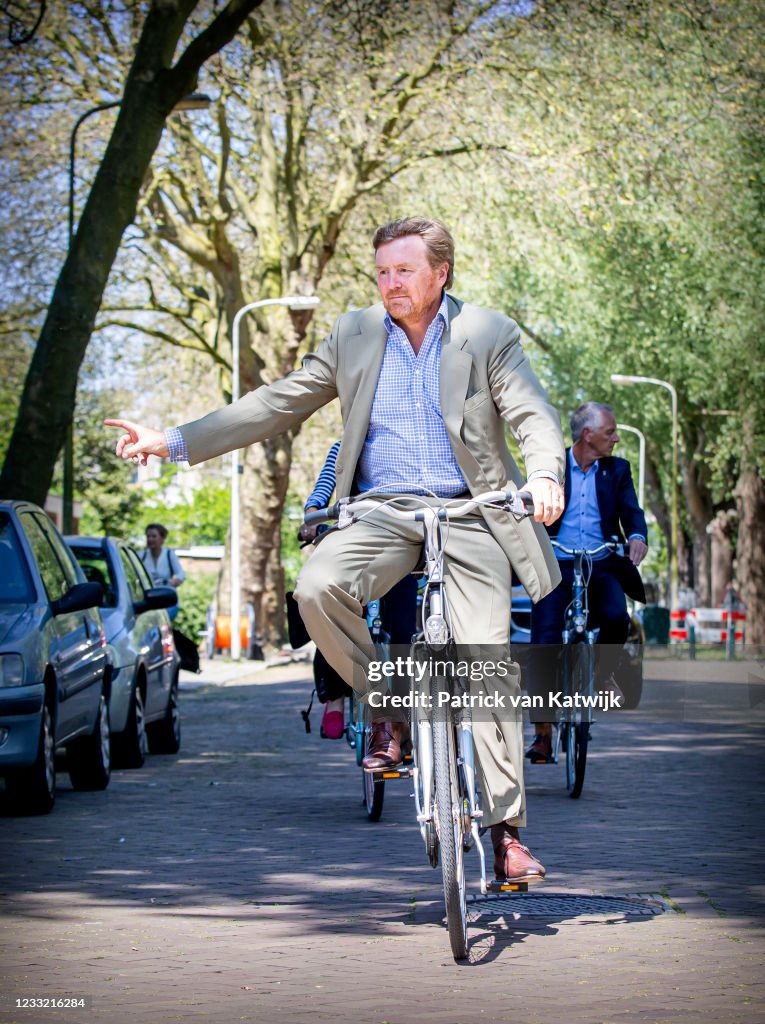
(607, 611)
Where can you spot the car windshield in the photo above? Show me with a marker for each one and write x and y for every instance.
(95, 565)
(15, 582)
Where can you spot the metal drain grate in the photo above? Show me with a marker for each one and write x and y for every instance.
(563, 905)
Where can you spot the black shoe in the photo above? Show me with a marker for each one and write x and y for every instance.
(540, 751)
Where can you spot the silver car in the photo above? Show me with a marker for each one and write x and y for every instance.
(143, 706)
(54, 669)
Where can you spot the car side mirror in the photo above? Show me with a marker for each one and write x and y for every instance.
(156, 597)
(78, 598)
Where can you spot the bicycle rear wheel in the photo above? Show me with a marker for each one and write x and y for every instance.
(449, 822)
(374, 795)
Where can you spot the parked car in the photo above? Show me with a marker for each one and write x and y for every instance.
(143, 703)
(54, 669)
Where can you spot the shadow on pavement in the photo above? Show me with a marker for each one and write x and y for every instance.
(256, 821)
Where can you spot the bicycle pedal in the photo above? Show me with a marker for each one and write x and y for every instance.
(497, 886)
(398, 772)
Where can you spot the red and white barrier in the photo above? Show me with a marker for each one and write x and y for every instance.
(710, 625)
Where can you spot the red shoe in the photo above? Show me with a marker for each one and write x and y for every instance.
(332, 724)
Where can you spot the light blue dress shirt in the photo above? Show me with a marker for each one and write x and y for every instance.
(580, 526)
(407, 447)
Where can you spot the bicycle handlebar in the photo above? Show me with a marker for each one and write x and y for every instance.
(519, 503)
(610, 545)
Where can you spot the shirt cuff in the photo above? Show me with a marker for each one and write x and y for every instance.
(543, 474)
(176, 445)
(638, 536)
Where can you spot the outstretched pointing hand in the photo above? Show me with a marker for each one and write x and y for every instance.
(139, 442)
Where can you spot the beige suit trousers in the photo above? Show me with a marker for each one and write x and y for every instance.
(361, 563)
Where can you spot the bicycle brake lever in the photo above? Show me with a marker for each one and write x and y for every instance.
(344, 518)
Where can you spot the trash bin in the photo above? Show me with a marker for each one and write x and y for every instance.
(656, 624)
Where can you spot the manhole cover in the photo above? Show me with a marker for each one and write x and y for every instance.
(564, 905)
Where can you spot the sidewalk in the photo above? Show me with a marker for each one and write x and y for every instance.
(241, 881)
(222, 671)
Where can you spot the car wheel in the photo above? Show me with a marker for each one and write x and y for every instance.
(89, 758)
(33, 790)
(129, 748)
(165, 735)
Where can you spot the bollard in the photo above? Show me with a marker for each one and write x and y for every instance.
(691, 637)
(730, 638)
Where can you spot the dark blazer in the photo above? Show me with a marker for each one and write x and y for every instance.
(620, 515)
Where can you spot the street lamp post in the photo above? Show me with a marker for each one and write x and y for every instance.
(194, 101)
(641, 459)
(621, 378)
(294, 302)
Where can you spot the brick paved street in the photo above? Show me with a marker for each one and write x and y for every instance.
(241, 880)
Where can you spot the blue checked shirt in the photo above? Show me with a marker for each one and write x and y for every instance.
(407, 448)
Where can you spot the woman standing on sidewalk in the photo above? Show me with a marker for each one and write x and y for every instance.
(162, 563)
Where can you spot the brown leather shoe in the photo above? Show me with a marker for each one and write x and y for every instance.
(513, 862)
(384, 747)
(540, 751)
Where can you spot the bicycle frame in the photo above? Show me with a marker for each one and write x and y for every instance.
(578, 669)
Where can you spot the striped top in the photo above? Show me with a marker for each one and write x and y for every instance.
(325, 482)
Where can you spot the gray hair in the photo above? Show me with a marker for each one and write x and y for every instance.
(587, 415)
(438, 241)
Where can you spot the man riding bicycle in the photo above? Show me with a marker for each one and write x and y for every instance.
(601, 505)
(426, 385)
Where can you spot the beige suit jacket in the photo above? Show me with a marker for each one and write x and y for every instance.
(486, 381)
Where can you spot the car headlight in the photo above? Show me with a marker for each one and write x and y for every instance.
(11, 670)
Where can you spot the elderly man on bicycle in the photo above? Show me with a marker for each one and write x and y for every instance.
(601, 505)
(426, 385)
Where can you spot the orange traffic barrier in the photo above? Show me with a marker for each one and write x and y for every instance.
(223, 631)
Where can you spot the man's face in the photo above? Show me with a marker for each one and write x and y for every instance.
(409, 286)
(604, 437)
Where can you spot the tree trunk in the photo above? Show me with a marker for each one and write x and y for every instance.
(722, 530)
(264, 486)
(750, 551)
(700, 507)
(152, 89)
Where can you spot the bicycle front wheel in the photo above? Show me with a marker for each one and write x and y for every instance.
(449, 823)
(577, 737)
(577, 734)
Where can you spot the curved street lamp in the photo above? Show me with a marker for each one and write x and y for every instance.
(623, 378)
(641, 459)
(194, 101)
(293, 302)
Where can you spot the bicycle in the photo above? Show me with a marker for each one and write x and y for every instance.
(571, 732)
(443, 769)
(358, 725)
